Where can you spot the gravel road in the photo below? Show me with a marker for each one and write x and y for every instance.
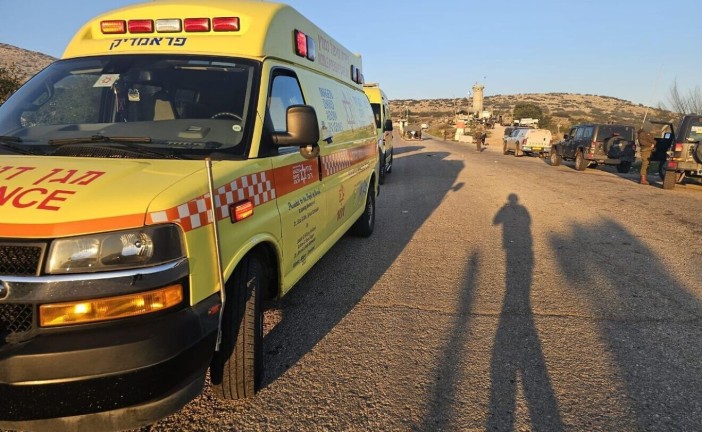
(497, 293)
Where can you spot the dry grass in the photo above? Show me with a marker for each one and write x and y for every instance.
(25, 62)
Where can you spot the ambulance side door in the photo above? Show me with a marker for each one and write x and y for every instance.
(298, 186)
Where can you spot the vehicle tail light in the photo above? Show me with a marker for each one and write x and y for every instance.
(677, 150)
(197, 24)
(225, 24)
(113, 27)
(141, 26)
(672, 165)
(524, 141)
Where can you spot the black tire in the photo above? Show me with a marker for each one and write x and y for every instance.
(624, 167)
(555, 158)
(365, 224)
(669, 179)
(580, 162)
(381, 171)
(697, 153)
(392, 159)
(237, 368)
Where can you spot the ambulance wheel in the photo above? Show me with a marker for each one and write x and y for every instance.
(237, 367)
(226, 114)
(363, 227)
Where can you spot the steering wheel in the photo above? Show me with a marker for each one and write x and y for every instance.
(227, 114)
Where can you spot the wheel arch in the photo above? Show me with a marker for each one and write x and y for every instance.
(267, 249)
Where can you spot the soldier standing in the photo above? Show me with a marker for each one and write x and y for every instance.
(646, 144)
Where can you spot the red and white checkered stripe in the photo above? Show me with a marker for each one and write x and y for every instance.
(335, 162)
(195, 213)
(255, 187)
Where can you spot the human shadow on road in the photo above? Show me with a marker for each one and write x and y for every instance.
(441, 405)
(517, 357)
(650, 322)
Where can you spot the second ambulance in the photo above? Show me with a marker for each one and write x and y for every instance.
(181, 163)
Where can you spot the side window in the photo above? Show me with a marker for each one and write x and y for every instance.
(285, 91)
(587, 133)
(579, 133)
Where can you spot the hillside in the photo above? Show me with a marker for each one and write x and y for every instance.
(564, 109)
(25, 62)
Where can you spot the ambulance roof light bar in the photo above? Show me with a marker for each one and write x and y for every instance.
(171, 25)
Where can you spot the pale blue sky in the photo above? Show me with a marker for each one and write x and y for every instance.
(628, 49)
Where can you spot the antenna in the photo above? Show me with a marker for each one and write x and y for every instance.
(653, 93)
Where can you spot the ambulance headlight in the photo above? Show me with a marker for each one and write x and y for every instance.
(116, 250)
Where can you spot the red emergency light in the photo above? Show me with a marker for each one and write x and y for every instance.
(304, 46)
(141, 26)
(225, 24)
(196, 24)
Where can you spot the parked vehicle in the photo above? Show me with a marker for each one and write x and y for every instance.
(383, 122)
(528, 141)
(597, 144)
(182, 163)
(679, 151)
(413, 132)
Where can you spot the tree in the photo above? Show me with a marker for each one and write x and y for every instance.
(528, 110)
(10, 81)
(688, 104)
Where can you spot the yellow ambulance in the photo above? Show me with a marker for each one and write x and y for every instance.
(181, 163)
(383, 122)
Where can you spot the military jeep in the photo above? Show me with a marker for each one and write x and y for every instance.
(679, 151)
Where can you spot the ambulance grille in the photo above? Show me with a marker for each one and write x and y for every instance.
(20, 259)
(15, 318)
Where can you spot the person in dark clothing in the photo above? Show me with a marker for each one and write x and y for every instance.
(646, 143)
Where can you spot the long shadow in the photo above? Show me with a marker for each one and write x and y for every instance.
(441, 407)
(650, 321)
(517, 356)
(406, 149)
(332, 288)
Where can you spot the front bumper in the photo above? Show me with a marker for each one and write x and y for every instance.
(105, 376)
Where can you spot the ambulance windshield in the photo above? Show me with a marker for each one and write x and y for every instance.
(188, 106)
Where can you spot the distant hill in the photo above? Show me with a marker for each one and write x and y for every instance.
(565, 109)
(27, 63)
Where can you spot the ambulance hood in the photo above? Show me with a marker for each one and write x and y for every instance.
(59, 196)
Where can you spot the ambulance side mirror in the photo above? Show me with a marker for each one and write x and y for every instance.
(302, 128)
(388, 126)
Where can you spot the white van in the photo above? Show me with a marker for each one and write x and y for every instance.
(529, 141)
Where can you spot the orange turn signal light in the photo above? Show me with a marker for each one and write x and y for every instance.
(109, 308)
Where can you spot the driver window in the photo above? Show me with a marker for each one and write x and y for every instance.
(285, 91)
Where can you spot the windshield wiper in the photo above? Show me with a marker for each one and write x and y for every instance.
(99, 138)
(11, 143)
(133, 143)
